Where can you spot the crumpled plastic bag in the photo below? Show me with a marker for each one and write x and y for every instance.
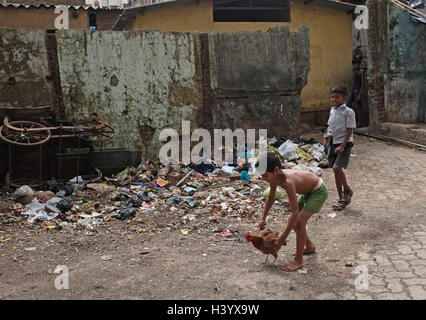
(175, 199)
(288, 150)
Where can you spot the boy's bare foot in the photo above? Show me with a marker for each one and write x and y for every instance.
(293, 266)
(308, 250)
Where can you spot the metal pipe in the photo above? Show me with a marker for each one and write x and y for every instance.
(382, 137)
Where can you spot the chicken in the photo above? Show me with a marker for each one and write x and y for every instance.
(264, 241)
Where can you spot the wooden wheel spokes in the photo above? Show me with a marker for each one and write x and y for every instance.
(38, 134)
(94, 133)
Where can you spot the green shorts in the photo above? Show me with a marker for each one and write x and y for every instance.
(314, 201)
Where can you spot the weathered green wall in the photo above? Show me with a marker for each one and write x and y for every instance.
(141, 82)
(23, 69)
(406, 75)
(397, 65)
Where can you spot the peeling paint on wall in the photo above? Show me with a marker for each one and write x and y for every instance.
(141, 82)
(257, 79)
(23, 68)
(405, 86)
(277, 60)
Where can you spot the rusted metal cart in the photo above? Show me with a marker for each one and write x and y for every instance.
(37, 130)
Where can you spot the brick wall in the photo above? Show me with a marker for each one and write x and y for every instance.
(375, 75)
(105, 19)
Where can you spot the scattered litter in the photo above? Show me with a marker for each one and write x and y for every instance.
(145, 251)
(332, 215)
(206, 194)
(126, 213)
(278, 193)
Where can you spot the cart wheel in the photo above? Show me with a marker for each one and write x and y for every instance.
(30, 134)
(87, 133)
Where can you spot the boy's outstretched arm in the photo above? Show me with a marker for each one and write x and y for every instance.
(292, 198)
(268, 205)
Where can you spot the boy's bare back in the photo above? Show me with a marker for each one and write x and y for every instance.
(304, 181)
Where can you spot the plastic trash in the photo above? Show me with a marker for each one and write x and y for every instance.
(24, 195)
(42, 216)
(81, 186)
(50, 185)
(23, 191)
(135, 202)
(126, 213)
(245, 176)
(44, 196)
(121, 197)
(416, 3)
(229, 192)
(204, 168)
(138, 184)
(143, 195)
(34, 205)
(324, 165)
(64, 190)
(175, 199)
(278, 193)
(78, 179)
(64, 205)
(228, 169)
(288, 150)
(191, 202)
(315, 170)
(189, 190)
(162, 182)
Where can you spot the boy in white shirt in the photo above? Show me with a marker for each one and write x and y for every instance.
(339, 137)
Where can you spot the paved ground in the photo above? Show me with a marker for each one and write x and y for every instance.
(382, 234)
(391, 183)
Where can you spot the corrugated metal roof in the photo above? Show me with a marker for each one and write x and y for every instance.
(130, 13)
(47, 6)
(328, 3)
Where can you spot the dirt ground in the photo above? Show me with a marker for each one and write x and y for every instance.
(122, 262)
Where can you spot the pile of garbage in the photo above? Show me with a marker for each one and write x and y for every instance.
(305, 155)
(186, 194)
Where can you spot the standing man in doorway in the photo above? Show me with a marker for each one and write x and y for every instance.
(358, 87)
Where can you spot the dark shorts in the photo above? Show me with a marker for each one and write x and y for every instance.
(339, 159)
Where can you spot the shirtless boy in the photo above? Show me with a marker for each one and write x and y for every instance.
(312, 193)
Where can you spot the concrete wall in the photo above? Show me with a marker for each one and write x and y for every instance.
(397, 66)
(42, 18)
(330, 39)
(141, 82)
(256, 79)
(144, 81)
(405, 78)
(23, 69)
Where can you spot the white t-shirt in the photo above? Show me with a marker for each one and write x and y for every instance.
(341, 118)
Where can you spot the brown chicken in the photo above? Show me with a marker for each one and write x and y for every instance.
(264, 241)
